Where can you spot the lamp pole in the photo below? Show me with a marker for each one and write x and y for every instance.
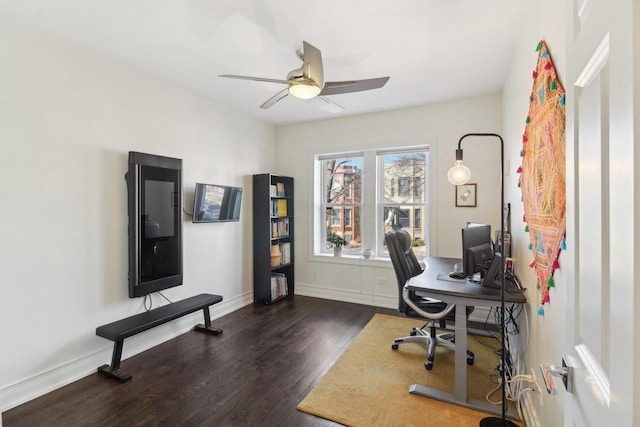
(459, 175)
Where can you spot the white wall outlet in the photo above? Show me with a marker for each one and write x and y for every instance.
(382, 281)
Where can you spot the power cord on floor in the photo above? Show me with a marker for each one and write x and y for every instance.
(515, 389)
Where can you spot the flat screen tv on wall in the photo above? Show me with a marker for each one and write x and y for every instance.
(216, 203)
(154, 185)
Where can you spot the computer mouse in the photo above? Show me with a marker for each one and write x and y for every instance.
(456, 275)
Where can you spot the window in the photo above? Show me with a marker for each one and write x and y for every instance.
(404, 186)
(348, 183)
(361, 196)
(397, 210)
(335, 217)
(417, 186)
(340, 188)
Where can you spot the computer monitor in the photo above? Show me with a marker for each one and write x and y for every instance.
(473, 236)
(478, 258)
(490, 279)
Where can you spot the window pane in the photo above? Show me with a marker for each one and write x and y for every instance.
(337, 224)
(403, 196)
(342, 195)
(342, 179)
(402, 168)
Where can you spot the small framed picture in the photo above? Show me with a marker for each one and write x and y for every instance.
(466, 195)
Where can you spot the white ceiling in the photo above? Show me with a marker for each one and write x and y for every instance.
(433, 50)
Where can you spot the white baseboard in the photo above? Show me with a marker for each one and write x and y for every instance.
(346, 296)
(52, 379)
(529, 412)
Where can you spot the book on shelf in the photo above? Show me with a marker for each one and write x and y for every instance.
(280, 189)
(279, 288)
(279, 207)
(286, 253)
(282, 208)
(273, 192)
(280, 228)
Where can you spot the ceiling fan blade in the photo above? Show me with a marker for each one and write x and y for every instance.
(257, 79)
(312, 64)
(336, 88)
(328, 105)
(275, 98)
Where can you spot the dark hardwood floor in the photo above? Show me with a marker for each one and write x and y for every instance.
(255, 373)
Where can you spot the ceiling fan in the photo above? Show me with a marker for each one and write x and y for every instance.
(308, 81)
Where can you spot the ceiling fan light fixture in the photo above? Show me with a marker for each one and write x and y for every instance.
(304, 90)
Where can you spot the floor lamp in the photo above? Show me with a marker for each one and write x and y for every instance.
(459, 174)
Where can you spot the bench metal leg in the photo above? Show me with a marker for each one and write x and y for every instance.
(206, 328)
(113, 371)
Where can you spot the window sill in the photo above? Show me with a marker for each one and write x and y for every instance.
(352, 260)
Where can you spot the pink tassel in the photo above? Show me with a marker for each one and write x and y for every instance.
(533, 264)
(519, 170)
(556, 264)
(524, 138)
(535, 74)
(524, 218)
(545, 298)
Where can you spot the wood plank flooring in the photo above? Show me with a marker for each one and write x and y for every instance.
(255, 373)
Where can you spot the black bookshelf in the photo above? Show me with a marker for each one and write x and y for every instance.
(273, 217)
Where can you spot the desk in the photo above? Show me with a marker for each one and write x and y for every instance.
(463, 294)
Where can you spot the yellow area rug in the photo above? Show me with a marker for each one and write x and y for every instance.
(369, 384)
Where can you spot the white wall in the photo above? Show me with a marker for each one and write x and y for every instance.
(547, 333)
(67, 121)
(440, 126)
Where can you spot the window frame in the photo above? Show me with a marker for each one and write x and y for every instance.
(372, 235)
(383, 206)
(320, 245)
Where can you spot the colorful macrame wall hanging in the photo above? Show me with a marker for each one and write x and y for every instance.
(542, 174)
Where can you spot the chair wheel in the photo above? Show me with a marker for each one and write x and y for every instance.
(428, 365)
(394, 346)
(469, 361)
(413, 333)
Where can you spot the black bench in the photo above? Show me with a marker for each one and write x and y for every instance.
(121, 329)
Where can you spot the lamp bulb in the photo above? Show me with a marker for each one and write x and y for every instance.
(304, 90)
(459, 174)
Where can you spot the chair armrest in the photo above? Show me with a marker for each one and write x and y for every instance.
(426, 315)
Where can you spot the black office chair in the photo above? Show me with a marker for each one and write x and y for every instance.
(406, 266)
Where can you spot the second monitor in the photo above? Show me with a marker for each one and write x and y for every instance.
(474, 237)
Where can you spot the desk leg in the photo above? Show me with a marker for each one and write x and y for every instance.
(459, 396)
(460, 391)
